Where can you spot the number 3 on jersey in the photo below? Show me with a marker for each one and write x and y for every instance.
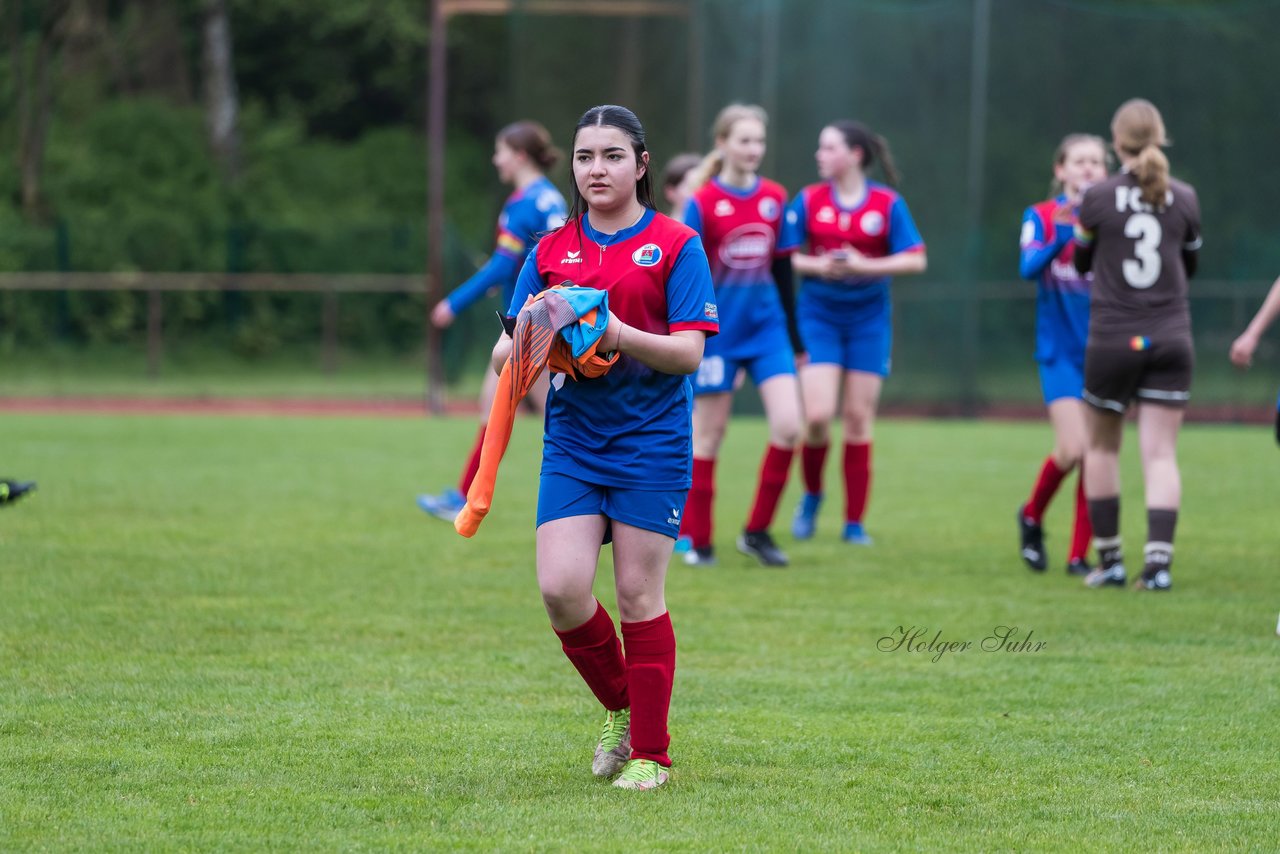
(1143, 271)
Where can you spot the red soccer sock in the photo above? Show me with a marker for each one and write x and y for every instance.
(696, 522)
(857, 479)
(1082, 532)
(1046, 485)
(812, 459)
(651, 669)
(773, 480)
(594, 649)
(473, 463)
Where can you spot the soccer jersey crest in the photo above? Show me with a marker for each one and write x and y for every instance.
(647, 255)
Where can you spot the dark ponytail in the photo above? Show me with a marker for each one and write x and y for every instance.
(874, 147)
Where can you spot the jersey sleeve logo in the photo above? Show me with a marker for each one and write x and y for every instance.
(710, 312)
(647, 255)
(768, 209)
(872, 223)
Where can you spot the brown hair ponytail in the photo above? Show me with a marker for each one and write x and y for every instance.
(533, 140)
(1137, 131)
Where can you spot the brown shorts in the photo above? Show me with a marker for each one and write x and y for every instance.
(1116, 370)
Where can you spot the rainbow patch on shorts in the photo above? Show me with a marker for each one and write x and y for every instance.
(1139, 342)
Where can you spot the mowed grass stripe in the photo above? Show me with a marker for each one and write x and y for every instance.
(240, 633)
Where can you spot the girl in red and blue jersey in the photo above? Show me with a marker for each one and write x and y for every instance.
(739, 215)
(617, 449)
(1062, 328)
(857, 233)
(522, 153)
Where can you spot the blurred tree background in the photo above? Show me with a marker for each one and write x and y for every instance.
(237, 135)
(275, 136)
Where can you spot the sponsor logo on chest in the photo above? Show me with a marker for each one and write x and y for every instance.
(571, 257)
(747, 247)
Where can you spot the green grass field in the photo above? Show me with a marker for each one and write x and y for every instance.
(240, 634)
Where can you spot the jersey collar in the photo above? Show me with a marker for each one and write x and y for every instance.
(618, 236)
(740, 192)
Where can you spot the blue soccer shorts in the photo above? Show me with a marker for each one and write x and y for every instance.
(561, 496)
(858, 339)
(1061, 378)
(716, 373)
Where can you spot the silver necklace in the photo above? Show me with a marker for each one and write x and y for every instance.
(610, 238)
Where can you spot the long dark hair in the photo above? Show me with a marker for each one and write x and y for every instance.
(613, 116)
(874, 146)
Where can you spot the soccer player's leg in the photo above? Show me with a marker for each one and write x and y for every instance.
(866, 365)
(642, 543)
(712, 405)
(1060, 382)
(820, 380)
(775, 378)
(1111, 373)
(1067, 414)
(1162, 395)
(571, 527)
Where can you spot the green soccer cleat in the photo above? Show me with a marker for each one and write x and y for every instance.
(12, 490)
(642, 774)
(614, 747)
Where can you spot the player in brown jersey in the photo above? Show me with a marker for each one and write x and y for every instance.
(1138, 232)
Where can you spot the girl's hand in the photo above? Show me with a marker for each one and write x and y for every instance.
(1242, 350)
(851, 263)
(442, 315)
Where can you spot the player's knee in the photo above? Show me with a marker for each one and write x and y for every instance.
(857, 425)
(638, 604)
(562, 599)
(787, 434)
(1067, 456)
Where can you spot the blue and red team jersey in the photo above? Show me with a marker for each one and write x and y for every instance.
(877, 226)
(740, 230)
(1062, 294)
(527, 213)
(632, 427)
